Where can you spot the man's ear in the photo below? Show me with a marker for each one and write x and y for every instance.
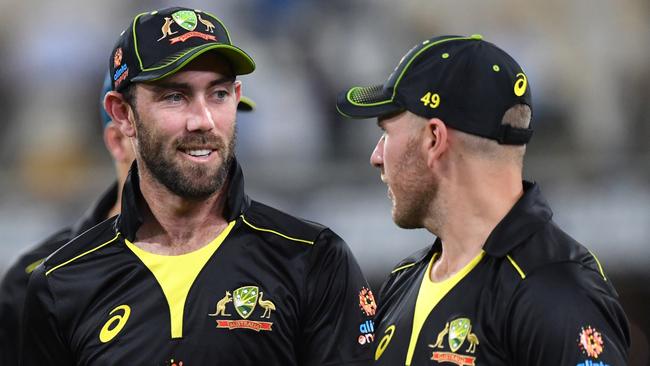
(238, 89)
(117, 144)
(436, 134)
(120, 111)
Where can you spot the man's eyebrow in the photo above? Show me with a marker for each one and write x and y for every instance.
(223, 80)
(171, 85)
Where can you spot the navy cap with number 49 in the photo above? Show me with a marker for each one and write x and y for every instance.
(465, 81)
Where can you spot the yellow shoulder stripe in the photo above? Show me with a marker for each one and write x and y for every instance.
(402, 267)
(32, 266)
(276, 233)
(514, 264)
(600, 268)
(81, 255)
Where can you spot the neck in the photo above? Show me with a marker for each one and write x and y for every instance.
(475, 205)
(175, 225)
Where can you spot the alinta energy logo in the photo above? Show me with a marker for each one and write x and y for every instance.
(457, 332)
(590, 342)
(368, 306)
(244, 301)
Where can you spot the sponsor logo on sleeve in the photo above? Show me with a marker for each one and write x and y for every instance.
(244, 301)
(367, 302)
(456, 332)
(368, 307)
(590, 342)
(367, 330)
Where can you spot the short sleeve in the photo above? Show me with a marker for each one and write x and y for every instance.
(338, 326)
(566, 314)
(42, 343)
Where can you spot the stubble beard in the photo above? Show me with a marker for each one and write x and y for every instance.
(413, 194)
(189, 181)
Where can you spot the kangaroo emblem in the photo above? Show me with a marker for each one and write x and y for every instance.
(209, 27)
(221, 305)
(441, 337)
(167, 28)
(267, 305)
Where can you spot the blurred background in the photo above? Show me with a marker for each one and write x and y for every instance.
(588, 63)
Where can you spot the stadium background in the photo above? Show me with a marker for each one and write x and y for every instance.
(587, 62)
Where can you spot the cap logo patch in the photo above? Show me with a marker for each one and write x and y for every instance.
(431, 100)
(186, 19)
(117, 58)
(166, 28)
(521, 84)
(189, 35)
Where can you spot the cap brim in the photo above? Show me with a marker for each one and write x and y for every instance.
(246, 104)
(241, 62)
(366, 102)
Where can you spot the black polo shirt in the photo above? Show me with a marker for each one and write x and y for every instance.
(272, 289)
(14, 283)
(534, 296)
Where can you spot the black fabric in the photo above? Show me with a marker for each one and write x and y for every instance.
(465, 81)
(545, 318)
(14, 283)
(303, 268)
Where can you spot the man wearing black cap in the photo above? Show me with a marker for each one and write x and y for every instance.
(192, 271)
(14, 283)
(502, 284)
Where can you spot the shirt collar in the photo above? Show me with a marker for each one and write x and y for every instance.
(131, 217)
(530, 214)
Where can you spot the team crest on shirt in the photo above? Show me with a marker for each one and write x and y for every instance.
(244, 301)
(458, 339)
(590, 342)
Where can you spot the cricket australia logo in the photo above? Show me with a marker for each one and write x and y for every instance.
(456, 331)
(244, 299)
(188, 20)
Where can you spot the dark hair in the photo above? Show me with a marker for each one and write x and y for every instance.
(129, 95)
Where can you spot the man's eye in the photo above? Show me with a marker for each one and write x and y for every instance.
(221, 94)
(176, 97)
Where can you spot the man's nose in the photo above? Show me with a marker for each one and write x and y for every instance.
(200, 118)
(377, 156)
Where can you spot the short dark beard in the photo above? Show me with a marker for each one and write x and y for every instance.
(172, 177)
(416, 195)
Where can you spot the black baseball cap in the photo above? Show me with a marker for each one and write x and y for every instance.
(465, 81)
(159, 43)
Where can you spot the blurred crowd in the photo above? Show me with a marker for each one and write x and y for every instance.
(587, 62)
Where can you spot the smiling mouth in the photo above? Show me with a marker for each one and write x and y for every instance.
(199, 153)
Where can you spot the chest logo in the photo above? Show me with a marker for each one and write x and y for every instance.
(457, 332)
(245, 300)
(385, 340)
(115, 324)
